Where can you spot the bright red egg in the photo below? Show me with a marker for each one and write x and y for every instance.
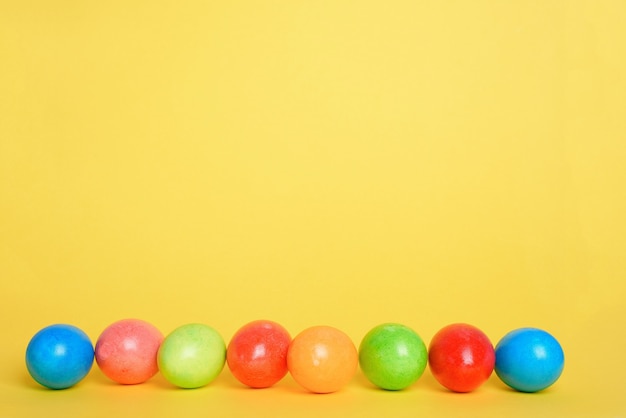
(257, 353)
(461, 357)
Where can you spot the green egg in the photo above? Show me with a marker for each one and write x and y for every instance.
(392, 356)
(192, 356)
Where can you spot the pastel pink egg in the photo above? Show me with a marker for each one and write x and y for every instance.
(126, 351)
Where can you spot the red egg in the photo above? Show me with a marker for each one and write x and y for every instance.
(257, 353)
(461, 357)
(126, 351)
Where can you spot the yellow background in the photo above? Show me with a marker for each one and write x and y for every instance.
(344, 163)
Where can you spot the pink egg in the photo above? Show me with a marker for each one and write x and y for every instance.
(126, 351)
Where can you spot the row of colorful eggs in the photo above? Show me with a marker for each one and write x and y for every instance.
(322, 359)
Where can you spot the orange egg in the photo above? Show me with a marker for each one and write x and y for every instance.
(322, 359)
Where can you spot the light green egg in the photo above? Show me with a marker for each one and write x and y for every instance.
(192, 356)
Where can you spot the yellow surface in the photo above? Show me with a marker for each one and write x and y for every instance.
(343, 163)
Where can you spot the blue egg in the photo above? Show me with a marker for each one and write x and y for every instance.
(529, 359)
(59, 356)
